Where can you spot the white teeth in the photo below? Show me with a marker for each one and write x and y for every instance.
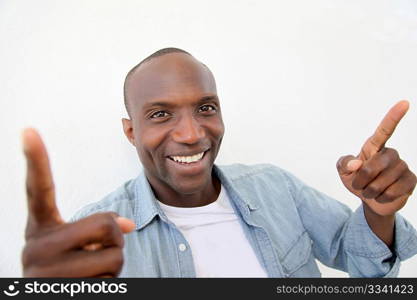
(188, 159)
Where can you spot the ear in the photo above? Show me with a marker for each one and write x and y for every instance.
(128, 130)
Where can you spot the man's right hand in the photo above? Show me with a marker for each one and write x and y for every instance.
(91, 247)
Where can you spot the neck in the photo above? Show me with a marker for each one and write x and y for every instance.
(169, 196)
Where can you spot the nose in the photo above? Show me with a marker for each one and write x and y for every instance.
(188, 131)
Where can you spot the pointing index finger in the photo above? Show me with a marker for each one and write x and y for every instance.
(39, 183)
(385, 129)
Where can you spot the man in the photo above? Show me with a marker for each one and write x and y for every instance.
(193, 218)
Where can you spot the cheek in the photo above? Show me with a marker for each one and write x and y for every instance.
(216, 129)
(148, 141)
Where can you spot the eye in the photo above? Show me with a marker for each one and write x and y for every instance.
(159, 114)
(207, 108)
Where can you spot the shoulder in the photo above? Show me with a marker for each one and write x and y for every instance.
(261, 179)
(119, 201)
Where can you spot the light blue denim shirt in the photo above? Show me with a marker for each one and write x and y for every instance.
(288, 224)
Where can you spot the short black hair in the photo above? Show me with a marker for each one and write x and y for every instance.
(158, 53)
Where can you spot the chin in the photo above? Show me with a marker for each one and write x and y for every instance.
(189, 185)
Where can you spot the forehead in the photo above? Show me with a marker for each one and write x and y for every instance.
(169, 77)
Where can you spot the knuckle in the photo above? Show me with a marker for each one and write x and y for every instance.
(41, 190)
(366, 171)
(371, 191)
(110, 230)
(413, 181)
(339, 163)
(369, 141)
(403, 165)
(392, 154)
(46, 189)
(388, 196)
(35, 251)
(107, 224)
(384, 131)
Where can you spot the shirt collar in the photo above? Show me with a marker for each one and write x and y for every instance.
(243, 203)
(146, 206)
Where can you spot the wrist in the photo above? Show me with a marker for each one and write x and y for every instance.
(382, 226)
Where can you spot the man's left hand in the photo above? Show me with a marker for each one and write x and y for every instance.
(378, 176)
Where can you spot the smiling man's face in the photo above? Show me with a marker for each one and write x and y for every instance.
(176, 123)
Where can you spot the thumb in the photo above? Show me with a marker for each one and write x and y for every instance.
(348, 164)
(126, 225)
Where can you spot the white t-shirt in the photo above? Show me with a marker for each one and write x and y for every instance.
(218, 244)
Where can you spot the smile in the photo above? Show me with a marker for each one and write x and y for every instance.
(188, 159)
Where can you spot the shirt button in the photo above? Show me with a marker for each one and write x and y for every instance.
(182, 247)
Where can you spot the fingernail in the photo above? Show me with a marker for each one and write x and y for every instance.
(25, 135)
(354, 164)
(125, 220)
(127, 225)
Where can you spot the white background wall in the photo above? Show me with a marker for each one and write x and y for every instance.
(301, 83)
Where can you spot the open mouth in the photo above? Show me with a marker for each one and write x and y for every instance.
(190, 159)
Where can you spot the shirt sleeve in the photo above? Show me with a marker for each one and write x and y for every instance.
(342, 239)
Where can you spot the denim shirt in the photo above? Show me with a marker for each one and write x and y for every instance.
(288, 224)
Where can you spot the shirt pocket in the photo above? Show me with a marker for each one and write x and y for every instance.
(299, 260)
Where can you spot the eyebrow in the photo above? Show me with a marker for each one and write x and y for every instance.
(209, 98)
(163, 103)
(157, 104)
